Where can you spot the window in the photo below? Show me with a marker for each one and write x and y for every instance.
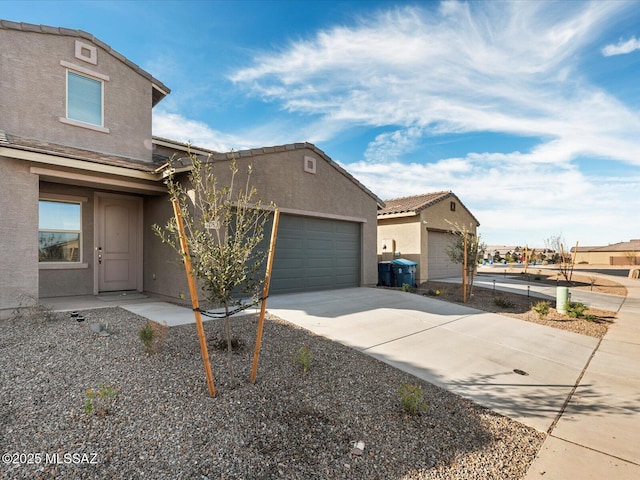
(59, 231)
(84, 99)
(452, 206)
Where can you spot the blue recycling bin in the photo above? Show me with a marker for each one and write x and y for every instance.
(404, 271)
(384, 274)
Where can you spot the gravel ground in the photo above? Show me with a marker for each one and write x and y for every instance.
(519, 306)
(288, 425)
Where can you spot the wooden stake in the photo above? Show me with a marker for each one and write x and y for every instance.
(573, 260)
(194, 298)
(464, 270)
(265, 294)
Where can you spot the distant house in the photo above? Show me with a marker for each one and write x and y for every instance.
(80, 182)
(622, 253)
(417, 228)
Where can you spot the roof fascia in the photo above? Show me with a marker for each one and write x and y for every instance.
(60, 161)
(397, 215)
(119, 184)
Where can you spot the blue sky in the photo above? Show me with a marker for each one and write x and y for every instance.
(528, 111)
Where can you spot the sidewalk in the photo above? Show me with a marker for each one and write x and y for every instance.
(598, 434)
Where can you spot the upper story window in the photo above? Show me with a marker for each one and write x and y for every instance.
(59, 231)
(84, 99)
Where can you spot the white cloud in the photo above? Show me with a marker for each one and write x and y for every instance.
(622, 47)
(516, 201)
(488, 67)
(199, 134)
(511, 68)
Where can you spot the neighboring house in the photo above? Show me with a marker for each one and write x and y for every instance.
(622, 253)
(80, 185)
(417, 228)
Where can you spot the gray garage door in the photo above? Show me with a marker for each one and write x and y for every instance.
(315, 254)
(439, 265)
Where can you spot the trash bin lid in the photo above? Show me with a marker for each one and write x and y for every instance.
(404, 262)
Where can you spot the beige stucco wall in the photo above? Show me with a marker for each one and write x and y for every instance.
(604, 258)
(278, 177)
(405, 231)
(411, 233)
(18, 235)
(33, 95)
(437, 216)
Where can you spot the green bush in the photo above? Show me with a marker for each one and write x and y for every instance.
(541, 308)
(576, 309)
(303, 357)
(146, 335)
(412, 399)
(99, 400)
(152, 336)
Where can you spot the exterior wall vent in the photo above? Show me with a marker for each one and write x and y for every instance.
(309, 164)
(86, 53)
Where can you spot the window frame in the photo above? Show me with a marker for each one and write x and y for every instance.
(57, 265)
(69, 92)
(92, 75)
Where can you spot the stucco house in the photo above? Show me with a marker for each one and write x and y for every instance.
(81, 186)
(416, 228)
(621, 253)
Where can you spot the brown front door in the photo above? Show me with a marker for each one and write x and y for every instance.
(118, 242)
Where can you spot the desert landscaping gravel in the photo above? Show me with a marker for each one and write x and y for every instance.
(288, 425)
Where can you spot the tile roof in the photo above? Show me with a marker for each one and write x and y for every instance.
(630, 246)
(417, 203)
(414, 203)
(160, 89)
(48, 148)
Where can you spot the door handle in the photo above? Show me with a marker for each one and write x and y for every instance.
(99, 249)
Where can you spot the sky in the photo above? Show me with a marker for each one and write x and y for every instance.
(528, 111)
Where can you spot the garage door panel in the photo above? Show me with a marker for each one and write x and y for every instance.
(439, 264)
(318, 246)
(315, 254)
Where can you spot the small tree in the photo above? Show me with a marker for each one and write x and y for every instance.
(223, 228)
(455, 250)
(564, 259)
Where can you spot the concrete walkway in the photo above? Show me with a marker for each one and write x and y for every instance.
(598, 434)
(472, 353)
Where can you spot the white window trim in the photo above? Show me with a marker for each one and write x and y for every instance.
(79, 70)
(85, 71)
(55, 197)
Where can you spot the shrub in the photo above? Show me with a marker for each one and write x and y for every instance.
(412, 399)
(98, 400)
(303, 358)
(576, 309)
(152, 335)
(541, 308)
(503, 302)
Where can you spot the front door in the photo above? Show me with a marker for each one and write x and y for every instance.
(118, 249)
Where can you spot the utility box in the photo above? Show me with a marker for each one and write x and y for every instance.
(404, 271)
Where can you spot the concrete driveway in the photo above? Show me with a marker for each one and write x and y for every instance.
(469, 352)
